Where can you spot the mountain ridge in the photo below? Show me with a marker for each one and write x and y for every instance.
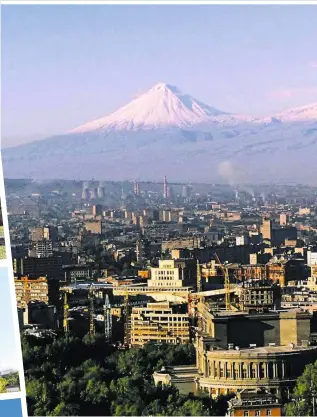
(166, 131)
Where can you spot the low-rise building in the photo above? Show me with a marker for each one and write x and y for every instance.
(249, 403)
(160, 323)
(28, 289)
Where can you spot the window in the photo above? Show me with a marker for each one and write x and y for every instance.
(268, 412)
(246, 413)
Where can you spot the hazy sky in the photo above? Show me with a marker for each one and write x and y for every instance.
(66, 65)
(9, 350)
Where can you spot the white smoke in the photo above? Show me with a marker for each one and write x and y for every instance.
(230, 173)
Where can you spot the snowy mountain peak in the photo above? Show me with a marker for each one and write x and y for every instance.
(160, 107)
(299, 114)
(163, 87)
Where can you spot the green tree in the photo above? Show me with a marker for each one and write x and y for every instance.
(12, 379)
(3, 385)
(90, 377)
(305, 394)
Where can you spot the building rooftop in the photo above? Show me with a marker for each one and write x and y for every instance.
(266, 350)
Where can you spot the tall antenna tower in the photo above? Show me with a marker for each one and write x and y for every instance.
(165, 191)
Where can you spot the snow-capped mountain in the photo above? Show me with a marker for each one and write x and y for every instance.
(166, 132)
(160, 107)
(306, 113)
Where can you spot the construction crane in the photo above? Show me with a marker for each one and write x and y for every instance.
(227, 282)
(68, 290)
(108, 319)
(91, 311)
(126, 316)
(199, 282)
(65, 318)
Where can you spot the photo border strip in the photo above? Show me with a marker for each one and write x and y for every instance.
(8, 265)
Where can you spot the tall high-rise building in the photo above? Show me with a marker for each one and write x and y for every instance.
(97, 210)
(266, 229)
(165, 191)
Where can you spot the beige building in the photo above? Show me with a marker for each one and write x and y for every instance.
(266, 229)
(304, 211)
(172, 274)
(274, 368)
(94, 227)
(158, 322)
(43, 233)
(166, 275)
(181, 243)
(27, 290)
(237, 351)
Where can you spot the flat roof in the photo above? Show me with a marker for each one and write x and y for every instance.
(264, 350)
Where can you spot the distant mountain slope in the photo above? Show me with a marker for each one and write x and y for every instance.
(165, 132)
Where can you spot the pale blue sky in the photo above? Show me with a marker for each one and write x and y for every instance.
(65, 65)
(9, 350)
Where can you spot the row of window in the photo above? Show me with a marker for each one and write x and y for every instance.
(258, 413)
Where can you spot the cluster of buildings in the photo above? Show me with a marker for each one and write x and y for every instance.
(232, 271)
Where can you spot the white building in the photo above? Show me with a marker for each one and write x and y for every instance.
(167, 274)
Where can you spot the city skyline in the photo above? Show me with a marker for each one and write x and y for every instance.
(53, 81)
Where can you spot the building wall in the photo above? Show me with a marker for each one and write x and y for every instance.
(274, 411)
(242, 330)
(94, 227)
(228, 371)
(28, 290)
(158, 322)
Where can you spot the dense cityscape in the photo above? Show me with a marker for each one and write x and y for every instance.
(138, 298)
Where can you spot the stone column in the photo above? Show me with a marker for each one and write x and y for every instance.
(248, 370)
(266, 370)
(206, 365)
(258, 366)
(218, 369)
(283, 369)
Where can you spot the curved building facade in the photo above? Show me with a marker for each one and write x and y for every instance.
(274, 368)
